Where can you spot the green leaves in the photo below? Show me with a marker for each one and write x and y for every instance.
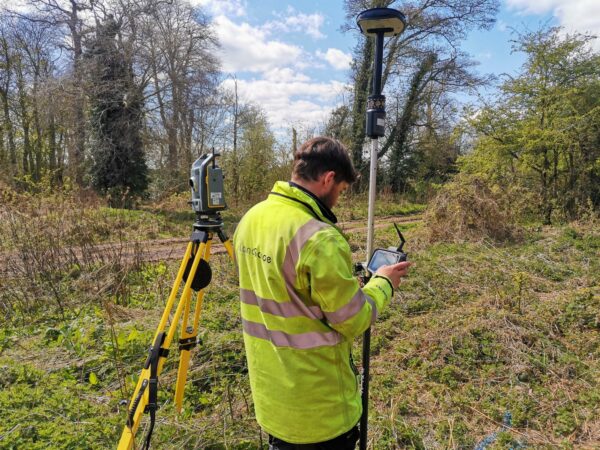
(542, 132)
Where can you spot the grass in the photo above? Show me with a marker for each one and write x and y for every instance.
(73, 220)
(481, 330)
(355, 207)
(476, 331)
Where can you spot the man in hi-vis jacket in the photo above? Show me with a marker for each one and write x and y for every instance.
(302, 306)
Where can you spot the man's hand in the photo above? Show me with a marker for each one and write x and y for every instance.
(395, 272)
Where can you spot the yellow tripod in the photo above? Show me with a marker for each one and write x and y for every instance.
(196, 271)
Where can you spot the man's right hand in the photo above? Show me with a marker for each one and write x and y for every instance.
(395, 272)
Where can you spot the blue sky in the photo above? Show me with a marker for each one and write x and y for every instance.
(289, 58)
(292, 59)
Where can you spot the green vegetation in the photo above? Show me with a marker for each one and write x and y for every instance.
(477, 329)
(356, 207)
(119, 165)
(65, 219)
(540, 137)
(499, 317)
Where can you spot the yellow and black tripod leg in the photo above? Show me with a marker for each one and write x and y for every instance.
(196, 272)
(140, 401)
(227, 244)
(189, 333)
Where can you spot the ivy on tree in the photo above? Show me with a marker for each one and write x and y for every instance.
(119, 167)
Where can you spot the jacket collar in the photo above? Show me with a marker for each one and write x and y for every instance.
(299, 194)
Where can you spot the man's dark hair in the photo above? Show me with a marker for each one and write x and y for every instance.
(322, 154)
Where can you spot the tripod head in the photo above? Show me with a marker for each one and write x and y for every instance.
(207, 222)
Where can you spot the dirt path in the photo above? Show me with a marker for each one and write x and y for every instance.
(11, 263)
(167, 249)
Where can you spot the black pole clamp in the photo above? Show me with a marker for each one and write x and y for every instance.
(188, 343)
(135, 404)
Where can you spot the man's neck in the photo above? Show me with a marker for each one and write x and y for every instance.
(311, 186)
(325, 210)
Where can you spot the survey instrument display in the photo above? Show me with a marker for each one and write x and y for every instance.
(382, 257)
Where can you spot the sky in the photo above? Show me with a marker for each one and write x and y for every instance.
(292, 58)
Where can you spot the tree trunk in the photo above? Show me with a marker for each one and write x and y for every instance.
(60, 158)
(3, 159)
(4, 91)
(38, 157)
(362, 81)
(546, 200)
(234, 167)
(171, 133)
(78, 146)
(10, 132)
(52, 150)
(398, 137)
(25, 120)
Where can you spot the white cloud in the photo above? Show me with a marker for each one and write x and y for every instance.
(222, 7)
(290, 101)
(285, 75)
(337, 58)
(574, 15)
(247, 48)
(293, 21)
(531, 6)
(280, 85)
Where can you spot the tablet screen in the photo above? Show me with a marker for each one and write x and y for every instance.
(382, 258)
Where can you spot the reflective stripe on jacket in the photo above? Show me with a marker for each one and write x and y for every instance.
(301, 308)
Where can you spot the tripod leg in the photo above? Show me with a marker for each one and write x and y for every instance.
(140, 397)
(229, 247)
(174, 289)
(188, 339)
(187, 291)
(227, 243)
(140, 394)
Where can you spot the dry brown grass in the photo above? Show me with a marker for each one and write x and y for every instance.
(467, 210)
(49, 249)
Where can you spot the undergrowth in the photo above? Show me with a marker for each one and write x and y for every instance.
(477, 331)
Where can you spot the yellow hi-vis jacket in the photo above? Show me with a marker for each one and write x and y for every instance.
(301, 308)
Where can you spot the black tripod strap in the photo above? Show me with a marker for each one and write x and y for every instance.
(152, 362)
(150, 430)
(135, 404)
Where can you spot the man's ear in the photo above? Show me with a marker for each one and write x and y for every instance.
(328, 177)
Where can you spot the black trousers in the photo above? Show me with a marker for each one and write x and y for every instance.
(346, 441)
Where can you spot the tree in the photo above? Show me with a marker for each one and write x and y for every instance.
(116, 102)
(28, 99)
(338, 126)
(179, 52)
(542, 132)
(256, 156)
(429, 52)
(67, 16)
(9, 150)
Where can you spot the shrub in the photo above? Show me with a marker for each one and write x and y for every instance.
(467, 209)
(51, 257)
